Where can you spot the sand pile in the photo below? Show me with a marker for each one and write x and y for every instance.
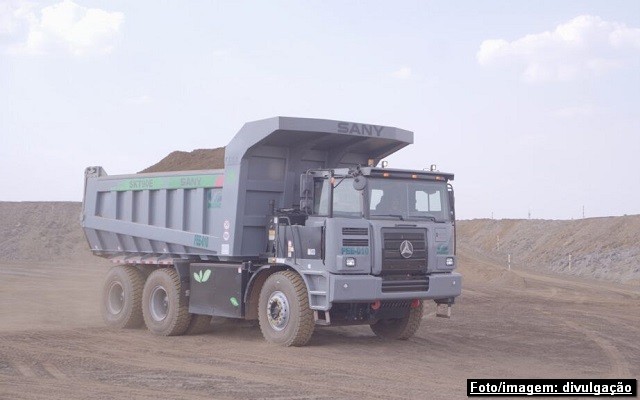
(188, 161)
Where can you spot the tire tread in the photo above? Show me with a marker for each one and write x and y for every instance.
(137, 281)
(180, 322)
(307, 323)
(128, 276)
(304, 329)
(401, 328)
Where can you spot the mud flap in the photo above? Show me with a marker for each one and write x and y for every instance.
(217, 289)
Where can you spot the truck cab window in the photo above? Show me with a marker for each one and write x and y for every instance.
(346, 200)
(429, 201)
(408, 199)
(376, 197)
(321, 197)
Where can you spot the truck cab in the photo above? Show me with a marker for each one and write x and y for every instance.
(383, 201)
(371, 243)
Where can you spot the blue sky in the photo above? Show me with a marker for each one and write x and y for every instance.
(535, 106)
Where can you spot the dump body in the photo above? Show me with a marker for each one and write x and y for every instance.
(153, 217)
(217, 214)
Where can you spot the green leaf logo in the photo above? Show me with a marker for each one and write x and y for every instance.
(234, 301)
(206, 275)
(202, 276)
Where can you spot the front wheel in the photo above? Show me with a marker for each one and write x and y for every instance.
(283, 310)
(399, 328)
(164, 308)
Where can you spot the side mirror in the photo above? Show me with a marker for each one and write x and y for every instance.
(359, 182)
(306, 205)
(306, 186)
(306, 193)
(452, 201)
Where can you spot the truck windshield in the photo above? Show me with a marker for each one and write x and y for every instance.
(408, 199)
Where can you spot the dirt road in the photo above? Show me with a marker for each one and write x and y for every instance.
(507, 324)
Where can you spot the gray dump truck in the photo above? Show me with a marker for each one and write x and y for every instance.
(301, 228)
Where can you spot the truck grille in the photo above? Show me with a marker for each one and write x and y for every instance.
(404, 251)
(355, 242)
(355, 231)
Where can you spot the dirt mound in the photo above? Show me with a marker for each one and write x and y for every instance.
(188, 161)
(605, 248)
(42, 231)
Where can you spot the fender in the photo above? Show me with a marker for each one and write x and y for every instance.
(182, 268)
(251, 296)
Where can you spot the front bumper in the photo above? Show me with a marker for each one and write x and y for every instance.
(350, 288)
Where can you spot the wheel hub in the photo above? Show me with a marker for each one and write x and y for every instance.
(278, 310)
(115, 304)
(159, 304)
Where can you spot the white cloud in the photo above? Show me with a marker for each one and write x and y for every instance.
(15, 17)
(582, 47)
(64, 26)
(402, 73)
(8, 18)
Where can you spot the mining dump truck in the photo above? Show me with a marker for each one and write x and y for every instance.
(301, 228)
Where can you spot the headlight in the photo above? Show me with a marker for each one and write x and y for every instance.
(449, 262)
(350, 262)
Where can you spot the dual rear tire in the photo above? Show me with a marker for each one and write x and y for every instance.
(164, 307)
(122, 298)
(128, 301)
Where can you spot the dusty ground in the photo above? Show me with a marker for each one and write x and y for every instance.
(507, 324)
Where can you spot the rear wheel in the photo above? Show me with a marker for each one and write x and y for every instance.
(283, 310)
(121, 297)
(164, 308)
(399, 328)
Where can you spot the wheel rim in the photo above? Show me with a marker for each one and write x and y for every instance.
(115, 302)
(159, 304)
(278, 310)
